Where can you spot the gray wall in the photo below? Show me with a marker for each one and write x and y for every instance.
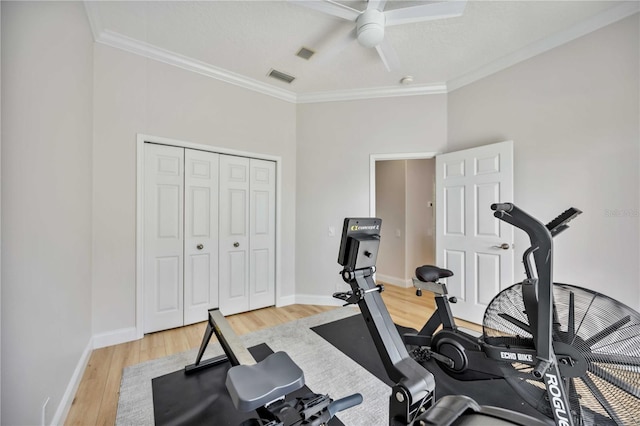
(334, 142)
(137, 95)
(404, 189)
(573, 114)
(46, 200)
(421, 223)
(391, 208)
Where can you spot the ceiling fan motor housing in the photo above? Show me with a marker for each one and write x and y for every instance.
(370, 28)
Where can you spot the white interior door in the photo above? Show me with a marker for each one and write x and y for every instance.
(234, 234)
(201, 235)
(262, 229)
(469, 239)
(163, 237)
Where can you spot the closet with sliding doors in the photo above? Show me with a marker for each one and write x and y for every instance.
(209, 235)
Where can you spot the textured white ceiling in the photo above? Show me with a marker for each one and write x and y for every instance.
(251, 37)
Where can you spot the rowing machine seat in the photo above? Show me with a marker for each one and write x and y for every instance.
(252, 386)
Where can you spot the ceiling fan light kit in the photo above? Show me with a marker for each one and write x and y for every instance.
(370, 28)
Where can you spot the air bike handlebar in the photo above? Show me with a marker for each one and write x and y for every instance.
(540, 316)
(537, 231)
(502, 207)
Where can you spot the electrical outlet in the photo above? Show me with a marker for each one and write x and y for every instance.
(332, 231)
(44, 412)
(398, 233)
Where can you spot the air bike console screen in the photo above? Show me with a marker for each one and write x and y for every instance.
(360, 242)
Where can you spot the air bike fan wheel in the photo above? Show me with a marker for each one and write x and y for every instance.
(597, 344)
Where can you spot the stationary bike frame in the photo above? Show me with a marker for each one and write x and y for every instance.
(537, 293)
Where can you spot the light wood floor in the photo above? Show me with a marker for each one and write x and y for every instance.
(96, 400)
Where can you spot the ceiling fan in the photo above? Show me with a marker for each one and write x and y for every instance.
(371, 23)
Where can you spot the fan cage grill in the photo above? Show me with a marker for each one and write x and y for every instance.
(605, 332)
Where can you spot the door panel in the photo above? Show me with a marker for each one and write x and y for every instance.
(234, 238)
(455, 261)
(468, 237)
(237, 274)
(200, 273)
(262, 234)
(201, 234)
(454, 210)
(167, 289)
(163, 242)
(238, 212)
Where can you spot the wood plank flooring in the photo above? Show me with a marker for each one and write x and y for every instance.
(96, 400)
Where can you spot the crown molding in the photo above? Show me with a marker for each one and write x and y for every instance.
(601, 20)
(372, 93)
(150, 51)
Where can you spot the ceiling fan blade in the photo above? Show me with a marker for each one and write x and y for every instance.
(376, 4)
(425, 12)
(330, 7)
(388, 55)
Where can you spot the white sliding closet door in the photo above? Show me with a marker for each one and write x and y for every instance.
(201, 235)
(247, 234)
(163, 237)
(234, 234)
(209, 235)
(262, 239)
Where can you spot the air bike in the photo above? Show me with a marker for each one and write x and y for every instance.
(568, 353)
(263, 387)
(412, 400)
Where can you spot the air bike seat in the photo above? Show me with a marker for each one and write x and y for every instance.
(252, 386)
(428, 273)
(427, 277)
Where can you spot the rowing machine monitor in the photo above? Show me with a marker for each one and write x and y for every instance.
(359, 244)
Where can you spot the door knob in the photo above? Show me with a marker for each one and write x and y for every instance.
(199, 246)
(236, 244)
(503, 246)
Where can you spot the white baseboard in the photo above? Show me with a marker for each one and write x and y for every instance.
(115, 337)
(69, 394)
(400, 282)
(313, 299)
(285, 301)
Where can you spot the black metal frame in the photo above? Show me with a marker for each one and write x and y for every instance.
(413, 392)
(537, 293)
(312, 409)
(538, 298)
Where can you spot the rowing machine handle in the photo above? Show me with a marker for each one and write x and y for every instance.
(502, 207)
(344, 403)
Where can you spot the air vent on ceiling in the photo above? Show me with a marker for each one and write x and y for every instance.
(281, 76)
(305, 53)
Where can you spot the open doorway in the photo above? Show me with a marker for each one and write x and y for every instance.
(402, 192)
